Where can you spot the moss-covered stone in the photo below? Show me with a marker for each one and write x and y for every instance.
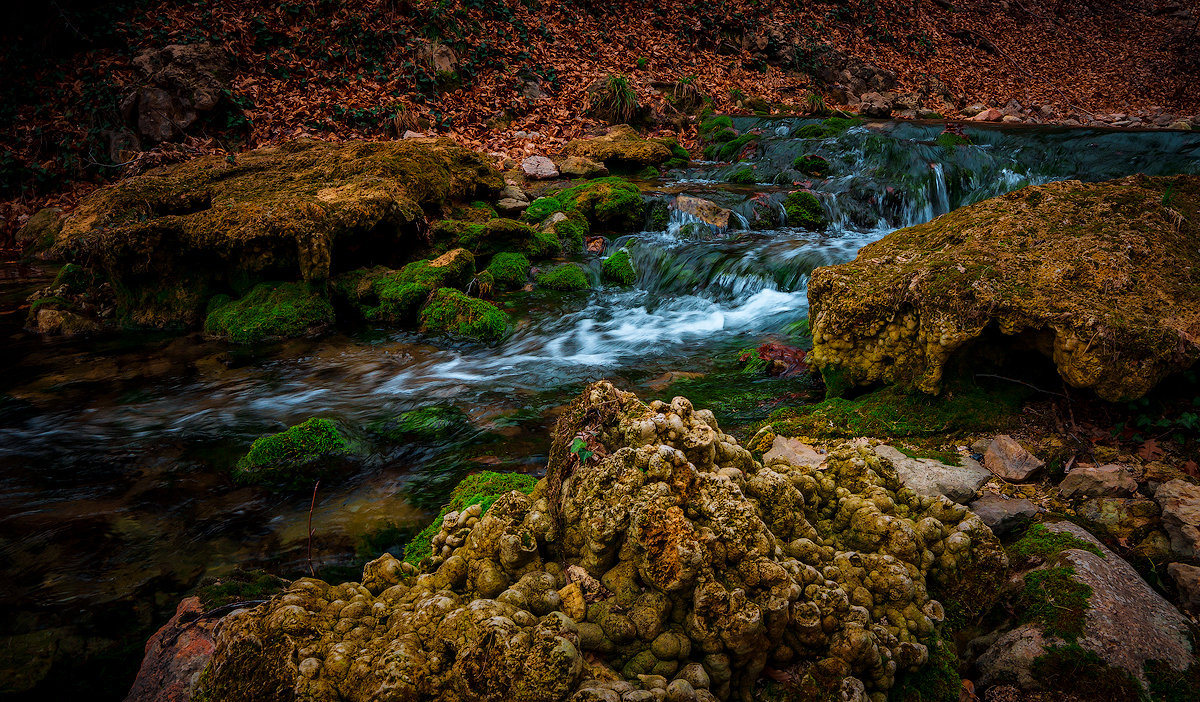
(509, 270)
(811, 165)
(1055, 600)
(452, 312)
(494, 236)
(540, 209)
(618, 268)
(40, 231)
(937, 681)
(167, 238)
(300, 454)
(427, 424)
(238, 586)
(743, 176)
(572, 230)
(804, 210)
(829, 127)
(608, 204)
(271, 311)
(1040, 542)
(481, 489)
(733, 149)
(568, 276)
(622, 149)
(1080, 272)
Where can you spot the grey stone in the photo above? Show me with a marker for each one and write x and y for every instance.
(1009, 460)
(1180, 503)
(1087, 480)
(1009, 659)
(1002, 514)
(926, 476)
(539, 168)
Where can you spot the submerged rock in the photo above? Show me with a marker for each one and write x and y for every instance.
(657, 556)
(1100, 277)
(269, 312)
(169, 239)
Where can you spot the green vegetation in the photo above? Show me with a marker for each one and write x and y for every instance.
(1039, 542)
(1170, 685)
(492, 237)
(567, 277)
(270, 311)
(829, 127)
(615, 101)
(1055, 600)
(937, 681)
(715, 123)
(572, 231)
(609, 203)
(1074, 669)
(238, 586)
(295, 456)
(811, 165)
(618, 268)
(481, 489)
(891, 412)
(744, 176)
(541, 208)
(393, 297)
(428, 424)
(450, 311)
(509, 270)
(949, 140)
(731, 149)
(804, 210)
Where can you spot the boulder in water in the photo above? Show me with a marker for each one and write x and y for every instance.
(1103, 278)
(706, 211)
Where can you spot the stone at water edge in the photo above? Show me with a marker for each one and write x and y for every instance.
(926, 476)
(1180, 502)
(1126, 622)
(1087, 480)
(989, 115)
(706, 211)
(175, 657)
(1008, 459)
(539, 168)
(1003, 514)
(1187, 580)
(580, 167)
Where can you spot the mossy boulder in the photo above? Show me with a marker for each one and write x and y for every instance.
(452, 312)
(509, 270)
(618, 268)
(269, 312)
(811, 165)
(494, 236)
(622, 150)
(426, 424)
(302, 453)
(1102, 278)
(566, 277)
(804, 210)
(40, 231)
(387, 296)
(304, 210)
(608, 204)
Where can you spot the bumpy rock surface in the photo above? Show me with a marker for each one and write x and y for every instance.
(657, 554)
(169, 239)
(1104, 278)
(622, 148)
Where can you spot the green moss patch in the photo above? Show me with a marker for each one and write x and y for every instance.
(890, 412)
(1083, 674)
(270, 311)
(492, 237)
(572, 231)
(804, 210)
(238, 586)
(937, 681)
(1040, 542)
(609, 203)
(568, 276)
(618, 268)
(298, 455)
(1055, 600)
(425, 424)
(811, 165)
(393, 297)
(481, 489)
(715, 123)
(830, 127)
(743, 176)
(450, 311)
(541, 208)
(509, 270)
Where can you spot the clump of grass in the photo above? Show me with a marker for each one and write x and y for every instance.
(615, 101)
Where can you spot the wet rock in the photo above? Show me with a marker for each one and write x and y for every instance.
(621, 149)
(926, 476)
(916, 299)
(580, 167)
(1187, 581)
(1087, 480)
(1008, 459)
(539, 168)
(175, 657)
(1002, 514)
(706, 211)
(1180, 503)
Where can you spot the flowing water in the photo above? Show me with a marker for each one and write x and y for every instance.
(114, 455)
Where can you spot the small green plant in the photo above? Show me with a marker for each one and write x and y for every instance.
(615, 101)
(642, 63)
(814, 104)
(580, 449)
(1168, 196)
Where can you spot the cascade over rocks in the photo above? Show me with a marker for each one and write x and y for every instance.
(170, 239)
(1103, 278)
(657, 554)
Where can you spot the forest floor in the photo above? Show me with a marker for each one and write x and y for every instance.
(327, 70)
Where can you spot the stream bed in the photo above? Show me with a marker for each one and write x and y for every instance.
(115, 453)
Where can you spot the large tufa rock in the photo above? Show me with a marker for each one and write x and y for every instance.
(621, 149)
(1101, 277)
(657, 560)
(180, 81)
(167, 239)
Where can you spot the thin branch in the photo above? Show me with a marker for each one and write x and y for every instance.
(1019, 382)
(312, 571)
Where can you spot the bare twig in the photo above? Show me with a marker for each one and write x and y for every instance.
(311, 507)
(1019, 382)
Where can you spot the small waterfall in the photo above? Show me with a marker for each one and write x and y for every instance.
(941, 197)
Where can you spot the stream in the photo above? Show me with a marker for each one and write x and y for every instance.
(115, 453)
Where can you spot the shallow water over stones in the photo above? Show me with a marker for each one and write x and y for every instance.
(115, 453)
